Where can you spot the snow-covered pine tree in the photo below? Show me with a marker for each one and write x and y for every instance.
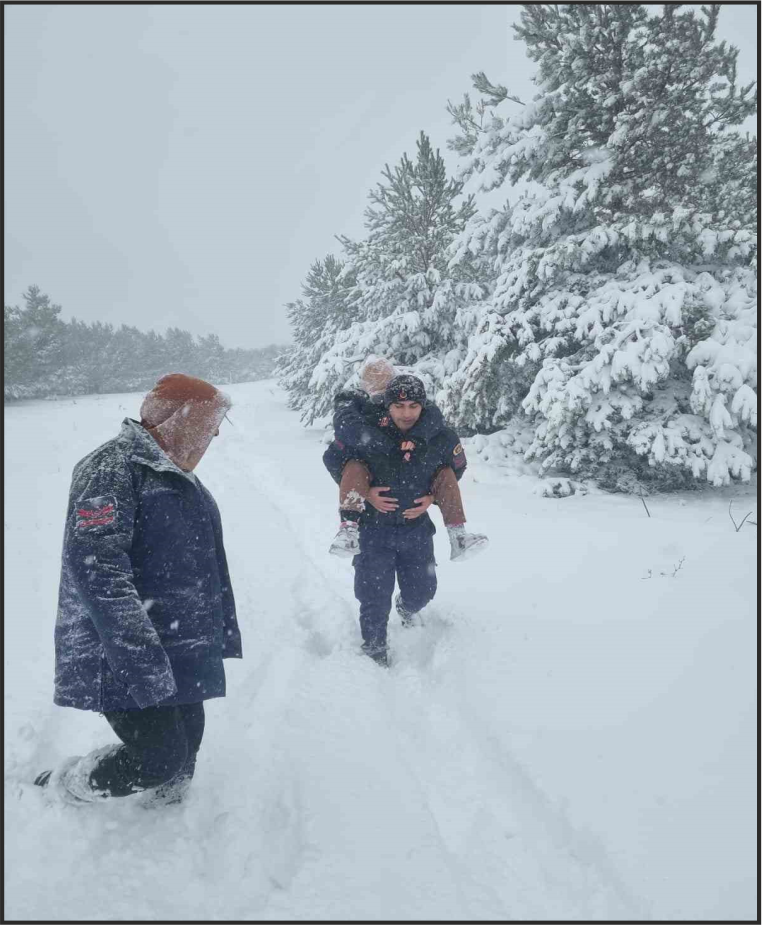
(626, 284)
(152, 357)
(328, 305)
(407, 295)
(34, 346)
(502, 384)
(180, 352)
(212, 359)
(16, 349)
(124, 354)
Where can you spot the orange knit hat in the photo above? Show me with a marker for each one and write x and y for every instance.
(170, 393)
(183, 414)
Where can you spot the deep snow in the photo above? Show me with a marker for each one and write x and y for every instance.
(571, 734)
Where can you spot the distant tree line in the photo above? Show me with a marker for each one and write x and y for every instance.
(45, 356)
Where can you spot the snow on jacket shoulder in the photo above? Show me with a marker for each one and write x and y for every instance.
(146, 612)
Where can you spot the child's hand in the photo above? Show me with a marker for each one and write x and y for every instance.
(423, 503)
(407, 447)
(384, 505)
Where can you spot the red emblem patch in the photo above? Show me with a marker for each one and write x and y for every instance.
(96, 512)
(384, 422)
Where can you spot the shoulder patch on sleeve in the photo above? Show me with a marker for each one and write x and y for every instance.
(458, 457)
(95, 512)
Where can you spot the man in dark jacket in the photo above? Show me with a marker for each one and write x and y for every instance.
(146, 611)
(357, 433)
(396, 532)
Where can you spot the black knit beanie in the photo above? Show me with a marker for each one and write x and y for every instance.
(405, 388)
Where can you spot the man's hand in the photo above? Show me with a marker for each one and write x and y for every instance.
(423, 503)
(384, 505)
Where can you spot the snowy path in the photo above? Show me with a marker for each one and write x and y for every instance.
(548, 745)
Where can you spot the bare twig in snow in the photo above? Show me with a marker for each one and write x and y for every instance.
(738, 526)
(675, 570)
(644, 502)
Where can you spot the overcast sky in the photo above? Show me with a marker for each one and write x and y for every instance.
(184, 165)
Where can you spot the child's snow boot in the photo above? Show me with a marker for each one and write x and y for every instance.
(347, 541)
(465, 545)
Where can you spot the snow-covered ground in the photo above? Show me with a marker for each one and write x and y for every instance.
(571, 734)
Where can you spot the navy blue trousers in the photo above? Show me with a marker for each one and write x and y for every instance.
(402, 552)
(160, 743)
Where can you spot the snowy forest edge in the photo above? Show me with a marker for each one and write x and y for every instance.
(603, 322)
(600, 324)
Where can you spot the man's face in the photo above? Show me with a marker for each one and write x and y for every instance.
(405, 413)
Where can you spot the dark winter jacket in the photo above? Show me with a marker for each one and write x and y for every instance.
(146, 611)
(364, 430)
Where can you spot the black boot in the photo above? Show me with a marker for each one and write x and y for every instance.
(378, 652)
(406, 616)
(170, 794)
(71, 781)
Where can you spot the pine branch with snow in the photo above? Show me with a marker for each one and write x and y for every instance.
(406, 294)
